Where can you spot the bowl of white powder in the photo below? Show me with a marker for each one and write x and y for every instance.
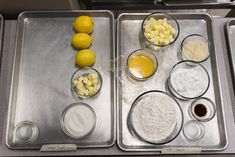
(155, 117)
(195, 48)
(188, 80)
(78, 120)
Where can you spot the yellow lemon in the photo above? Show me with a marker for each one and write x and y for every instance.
(83, 24)
(85, 58)
(81, 40)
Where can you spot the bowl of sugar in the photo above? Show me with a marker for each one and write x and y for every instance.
(78, 120)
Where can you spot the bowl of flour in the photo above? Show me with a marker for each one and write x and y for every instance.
(155, 117)
(188, 80)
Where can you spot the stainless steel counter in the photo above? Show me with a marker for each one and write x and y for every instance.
(5, 79)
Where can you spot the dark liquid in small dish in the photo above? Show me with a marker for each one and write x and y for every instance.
(200, 110)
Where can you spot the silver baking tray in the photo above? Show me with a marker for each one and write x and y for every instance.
(128, 30)
(43, 67)
(230, 35)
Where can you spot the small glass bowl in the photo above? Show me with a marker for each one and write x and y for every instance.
(193, 130)
(171, 21)
(146, 53)
(26, 132)
(206, 109)
(161, 97)
(191, 38)
(71, 110)
(85, 71)
(188, 80)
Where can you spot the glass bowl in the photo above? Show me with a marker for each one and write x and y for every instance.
(189, 46)
(155, 117)
(158, 16)
(84, 72)
(188, 80)
(144, 54)
(26, 132)
(78, 120)
(193, 130)
(202, 109)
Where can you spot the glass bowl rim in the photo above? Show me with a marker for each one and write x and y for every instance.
(33, 125)
(132, 128)
(86, 68)
(149, 52)
(198, 64)
(204, 39)
(62, 125)
(165, 14)
(198, 123)
(212, 106)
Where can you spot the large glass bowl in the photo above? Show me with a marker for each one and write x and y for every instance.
(188, 80)
(157, 113)
(142, 52)
(170, 20)
(85, 72)
(193, 38)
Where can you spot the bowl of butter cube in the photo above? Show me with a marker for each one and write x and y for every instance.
(86, 82)
(159, 30)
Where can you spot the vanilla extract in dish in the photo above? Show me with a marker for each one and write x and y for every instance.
(200, 110)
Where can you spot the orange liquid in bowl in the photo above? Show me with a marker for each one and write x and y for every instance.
(141, 66)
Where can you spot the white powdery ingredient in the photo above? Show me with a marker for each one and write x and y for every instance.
(196, 50)
(79, 121)
(190, 82)
(154, 117)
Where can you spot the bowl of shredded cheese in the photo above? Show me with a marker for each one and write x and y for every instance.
(159, 30)
(195, 48)
(86, 82)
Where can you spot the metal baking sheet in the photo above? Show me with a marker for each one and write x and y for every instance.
(128, 29)
(230, 34)
(43, 67)
(1, 35)
(196, 2)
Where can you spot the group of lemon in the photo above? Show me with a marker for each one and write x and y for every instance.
(84, 26)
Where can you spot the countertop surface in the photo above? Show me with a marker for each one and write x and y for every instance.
(5, 81)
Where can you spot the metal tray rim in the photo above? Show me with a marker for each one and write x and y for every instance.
(113, 140)
(227, 25)
(1, 32)
(175, 4)
(170, 13)
(119, 142)
(66, 11)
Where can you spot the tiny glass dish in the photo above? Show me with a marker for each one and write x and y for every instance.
(193, 130)
(86, 82)
(159, 30)
(78, 120)
(195, 48)
(202, 109)
(26, 132)
(155, 117)
(142, 64)
(188, 80)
